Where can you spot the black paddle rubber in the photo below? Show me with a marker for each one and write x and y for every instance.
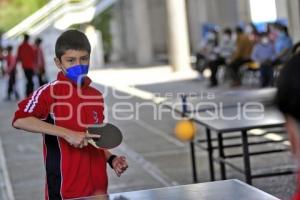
(111, 135)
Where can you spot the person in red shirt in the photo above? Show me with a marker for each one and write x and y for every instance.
(1, 62)
(25, 55)
(39, 62)
(62, 110)
(11, 71)
(288, 102)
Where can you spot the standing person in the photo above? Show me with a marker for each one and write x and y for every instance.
(263, 53)
(25, 55)
(11, 71)
(62, 110)
(39, 62)
(241, 55)
(288, 102)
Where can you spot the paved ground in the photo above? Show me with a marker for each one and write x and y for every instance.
(155, 156)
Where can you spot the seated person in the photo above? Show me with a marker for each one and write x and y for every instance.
(263, 53)
(206, 51)
(241, 55)
(224, 53)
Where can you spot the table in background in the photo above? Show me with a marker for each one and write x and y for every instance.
(199, 107)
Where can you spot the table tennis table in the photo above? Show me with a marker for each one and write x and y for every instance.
(270, 118)
(219, 190)
(192, 103)
(200, 109)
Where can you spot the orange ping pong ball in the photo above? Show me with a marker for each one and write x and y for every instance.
(185, 130)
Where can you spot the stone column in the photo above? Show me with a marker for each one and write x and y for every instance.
(228, 15)
(282, 9)
(118, 33)
(197, 16)
(244, 10)
(95, 38)
(294, 19)
(143, 42)
(179, 50)
(224, 13)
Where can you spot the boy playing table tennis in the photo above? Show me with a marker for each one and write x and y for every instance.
(62, 110)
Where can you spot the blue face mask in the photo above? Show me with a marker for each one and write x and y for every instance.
(77, 73)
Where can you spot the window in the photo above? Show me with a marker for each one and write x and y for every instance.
(263, 11)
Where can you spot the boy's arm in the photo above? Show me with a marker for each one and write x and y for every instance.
(36, 107)
(35, 125)
(117, 163)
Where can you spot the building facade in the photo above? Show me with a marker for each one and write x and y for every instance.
(141, 28)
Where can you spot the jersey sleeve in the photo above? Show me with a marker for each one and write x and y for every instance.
(36, 105)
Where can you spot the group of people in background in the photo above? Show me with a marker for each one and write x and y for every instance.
(239, 47)
(32, 60)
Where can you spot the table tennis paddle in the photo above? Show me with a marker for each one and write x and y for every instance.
(111, 136)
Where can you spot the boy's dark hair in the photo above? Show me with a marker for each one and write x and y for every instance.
(288, 94)
(26, 37)
(71, 40)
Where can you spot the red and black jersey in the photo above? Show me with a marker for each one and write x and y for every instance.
(70, 172)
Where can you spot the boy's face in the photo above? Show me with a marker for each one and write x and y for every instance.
(71, 58)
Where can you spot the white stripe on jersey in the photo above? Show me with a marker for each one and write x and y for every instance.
(35, 97)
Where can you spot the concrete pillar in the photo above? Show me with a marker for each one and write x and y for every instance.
(179, 50)
(117, 33)
(197, 13)
(131, 27)
(128, 32)
(212, 11)
(95, 38)
(144, 49)
(282, 9)
(228, 13)
(158, 30)
(294, 19)
(244, 12)
(224, 13)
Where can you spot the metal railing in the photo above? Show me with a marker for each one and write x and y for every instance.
(60, 14)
